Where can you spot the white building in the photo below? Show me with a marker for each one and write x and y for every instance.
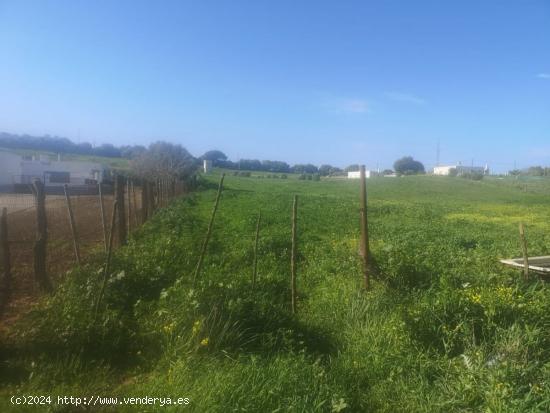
(460, 169)
(357, 174)
(10, 166)
(17, 169)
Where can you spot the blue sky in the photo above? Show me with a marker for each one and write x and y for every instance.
(336, 82)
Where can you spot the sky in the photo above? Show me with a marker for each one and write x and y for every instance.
(337, 82)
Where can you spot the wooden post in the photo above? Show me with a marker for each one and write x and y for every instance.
(5, 285)
(102, 210)
(209, 230)
(41, 241)
(136, 223)
(293, 254)
(524, 250)
(72, 224)
(151, 197)
(158, 198)
(108, 259)
(121, 219)
(129, 208)
(364, 228)
(144, 201)
(255, 270)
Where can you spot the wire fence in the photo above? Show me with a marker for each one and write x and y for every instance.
(91, 211)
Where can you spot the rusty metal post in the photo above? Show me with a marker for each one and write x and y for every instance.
(102, 211)
(365, 251)
(5, 281)
(41, 241)
(72, 224)
(209, 230)
(256, 239)
(121, 211)
(293, 254)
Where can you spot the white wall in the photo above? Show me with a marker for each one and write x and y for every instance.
(357, 174)
(10, 167)
(78, 171)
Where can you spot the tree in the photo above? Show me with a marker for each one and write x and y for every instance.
(107, 150)
(132, 151)
(352, 168)
(307, 168)
(164, 160)
(250, 164)
(535, 171)
(215, 156)
(408, 166)
(387, 172)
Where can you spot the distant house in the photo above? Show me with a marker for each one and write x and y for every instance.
(460, 170)
(357, 174)
(16, 170)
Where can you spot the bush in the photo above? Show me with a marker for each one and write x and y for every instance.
(309, 177)
(316, 177)
(246, 174)
(302, 177)
(283, 176)
(474, 176)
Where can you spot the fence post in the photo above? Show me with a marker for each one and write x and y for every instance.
(40, 243)
(72, 224)
(293, 253)
(524, 250)
(102, 210)
(129, 209)
(144, 201)
(134, 199)
(255, 270)
(209, 231)
(108, 260)
(364, 228)
(151, 196)
(121, 212)
(5, 286)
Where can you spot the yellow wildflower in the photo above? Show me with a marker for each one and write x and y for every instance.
(204, 342)
(196, 326)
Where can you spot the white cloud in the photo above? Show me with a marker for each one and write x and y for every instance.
(405, 97)
(347, 105)
(543, 75)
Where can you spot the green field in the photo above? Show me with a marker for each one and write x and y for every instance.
(444, 328)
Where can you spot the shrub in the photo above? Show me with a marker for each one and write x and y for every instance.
(283, 176)
(302, 177)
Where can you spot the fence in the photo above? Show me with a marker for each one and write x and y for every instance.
(47, 233)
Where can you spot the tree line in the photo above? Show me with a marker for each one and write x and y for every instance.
(59, 144)
(164, 159)
(531, 171)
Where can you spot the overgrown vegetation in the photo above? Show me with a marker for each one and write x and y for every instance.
(444, 328)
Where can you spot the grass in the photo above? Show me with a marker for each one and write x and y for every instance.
(444, 328)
